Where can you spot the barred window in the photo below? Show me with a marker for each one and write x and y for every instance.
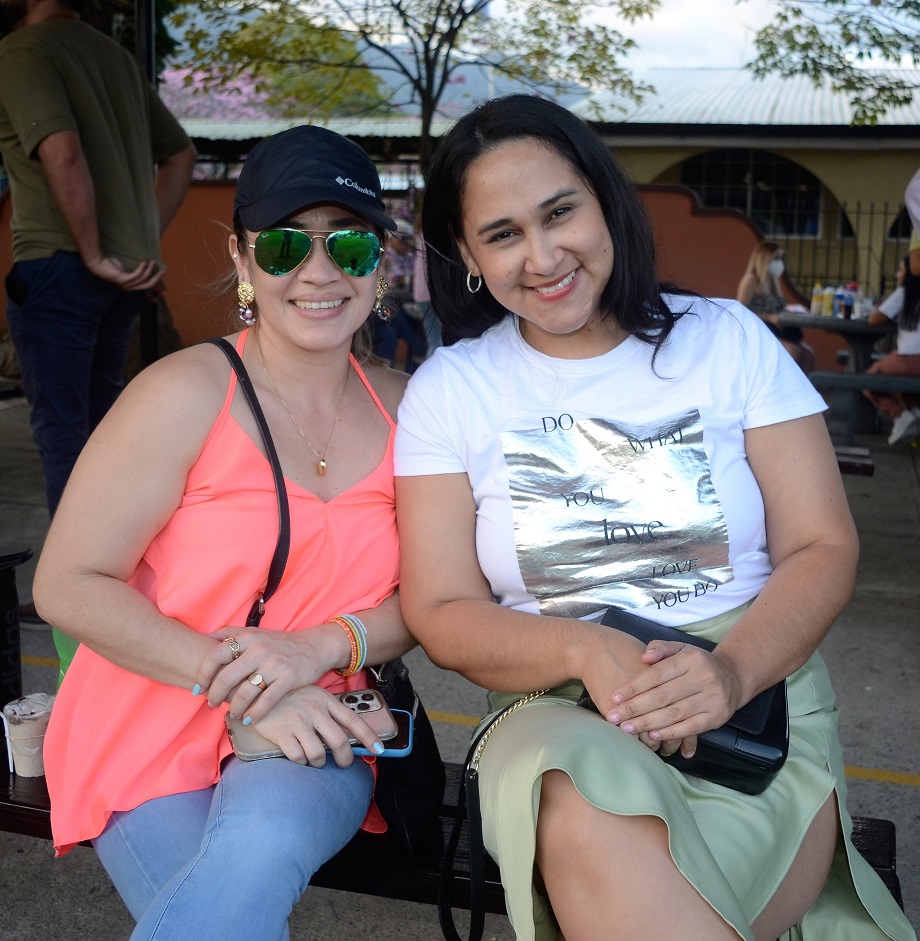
(783, 198)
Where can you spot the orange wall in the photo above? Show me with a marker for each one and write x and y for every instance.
(705, 250)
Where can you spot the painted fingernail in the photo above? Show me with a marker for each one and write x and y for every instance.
(628, 727)
(247, 720)
(654, 736)
(618, 698)
(378, 748)
(613, 717)
(196, 690)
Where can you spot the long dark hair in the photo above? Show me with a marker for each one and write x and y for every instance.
(632, 294)
(910, 315)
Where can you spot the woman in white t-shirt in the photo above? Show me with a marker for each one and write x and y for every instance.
(594, 443)
(902, 305)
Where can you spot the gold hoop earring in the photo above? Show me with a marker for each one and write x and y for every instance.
(247, 294)
(380, 310)
(469, 282)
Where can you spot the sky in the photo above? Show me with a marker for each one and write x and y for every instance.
(697, 33)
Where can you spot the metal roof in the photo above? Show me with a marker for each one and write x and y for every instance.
(727, 96)
(250, 129)
(697, 98)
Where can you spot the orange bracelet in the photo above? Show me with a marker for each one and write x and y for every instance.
(355, 661)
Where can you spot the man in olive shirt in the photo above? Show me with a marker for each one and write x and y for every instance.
(97, 168)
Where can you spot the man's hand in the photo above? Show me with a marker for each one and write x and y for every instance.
(142, 278)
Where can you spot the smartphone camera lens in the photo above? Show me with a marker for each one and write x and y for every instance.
(367, 697)
(350, 700)
(363, 707)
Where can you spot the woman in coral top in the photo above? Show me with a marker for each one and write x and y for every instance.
(162, 544)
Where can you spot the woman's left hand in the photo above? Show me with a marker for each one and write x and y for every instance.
(686, 691)
(253, 669)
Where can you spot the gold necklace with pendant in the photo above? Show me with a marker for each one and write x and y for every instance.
(321, 466)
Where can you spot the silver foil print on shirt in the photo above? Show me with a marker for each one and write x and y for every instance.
(611, 514)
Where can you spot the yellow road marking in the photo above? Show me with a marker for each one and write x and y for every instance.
(891, 777)
(456, 718)
(40, 661)
(452, 718)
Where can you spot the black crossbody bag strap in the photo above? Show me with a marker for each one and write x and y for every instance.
(468, 807)
(283, 546)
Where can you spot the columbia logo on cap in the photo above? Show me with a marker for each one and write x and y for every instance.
(345, 181)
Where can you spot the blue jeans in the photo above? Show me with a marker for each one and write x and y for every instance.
(231, 861)
(71, 331)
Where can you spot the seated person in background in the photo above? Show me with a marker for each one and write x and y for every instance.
(401, 260)
(903, 305)
(759, 290)
(387, 335)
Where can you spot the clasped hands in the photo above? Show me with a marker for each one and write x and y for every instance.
(679, 691)
(269, 679)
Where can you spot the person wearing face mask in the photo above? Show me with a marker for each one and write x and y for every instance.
(162, 546)
(760, 291)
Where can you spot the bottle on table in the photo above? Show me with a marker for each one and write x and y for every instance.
(839, 300)
(817, 299)
(849, 301)
(827, 305)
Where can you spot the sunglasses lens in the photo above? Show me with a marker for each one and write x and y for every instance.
(280, 251)
(356, 253)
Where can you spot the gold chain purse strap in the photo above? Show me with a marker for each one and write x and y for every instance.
(468, 808)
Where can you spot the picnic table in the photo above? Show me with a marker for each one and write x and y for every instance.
(849, 410)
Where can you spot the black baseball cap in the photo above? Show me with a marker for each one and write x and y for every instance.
(304, 166)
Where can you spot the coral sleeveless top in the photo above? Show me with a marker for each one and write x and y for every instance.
(117, 739)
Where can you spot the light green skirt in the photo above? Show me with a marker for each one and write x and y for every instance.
(733, 848)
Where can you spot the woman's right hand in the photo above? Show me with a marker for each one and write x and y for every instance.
(309, 722)
(284, 660)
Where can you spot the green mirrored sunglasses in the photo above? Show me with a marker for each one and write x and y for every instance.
(280, 251)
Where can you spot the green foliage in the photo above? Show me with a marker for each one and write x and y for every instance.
(849, 42)
(548, 44)
(298, 68)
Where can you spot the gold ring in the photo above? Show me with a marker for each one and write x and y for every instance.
(234, 646)
(256, 680)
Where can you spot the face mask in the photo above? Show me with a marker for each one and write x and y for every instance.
(776, 268)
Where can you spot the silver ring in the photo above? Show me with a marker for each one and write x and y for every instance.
(234, 646)
(256, 680)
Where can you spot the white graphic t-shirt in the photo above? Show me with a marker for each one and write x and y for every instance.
(604, 481)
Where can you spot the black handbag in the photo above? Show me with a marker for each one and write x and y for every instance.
(747, 752)
(409, 790)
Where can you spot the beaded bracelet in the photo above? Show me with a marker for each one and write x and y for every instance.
(357, 639)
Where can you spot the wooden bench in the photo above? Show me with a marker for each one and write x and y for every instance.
(846, 389)
(371, 865)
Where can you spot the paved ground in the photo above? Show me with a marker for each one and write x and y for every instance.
(873, 653)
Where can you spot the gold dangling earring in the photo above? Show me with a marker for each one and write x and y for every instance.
(380, 310)
(247, 294)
